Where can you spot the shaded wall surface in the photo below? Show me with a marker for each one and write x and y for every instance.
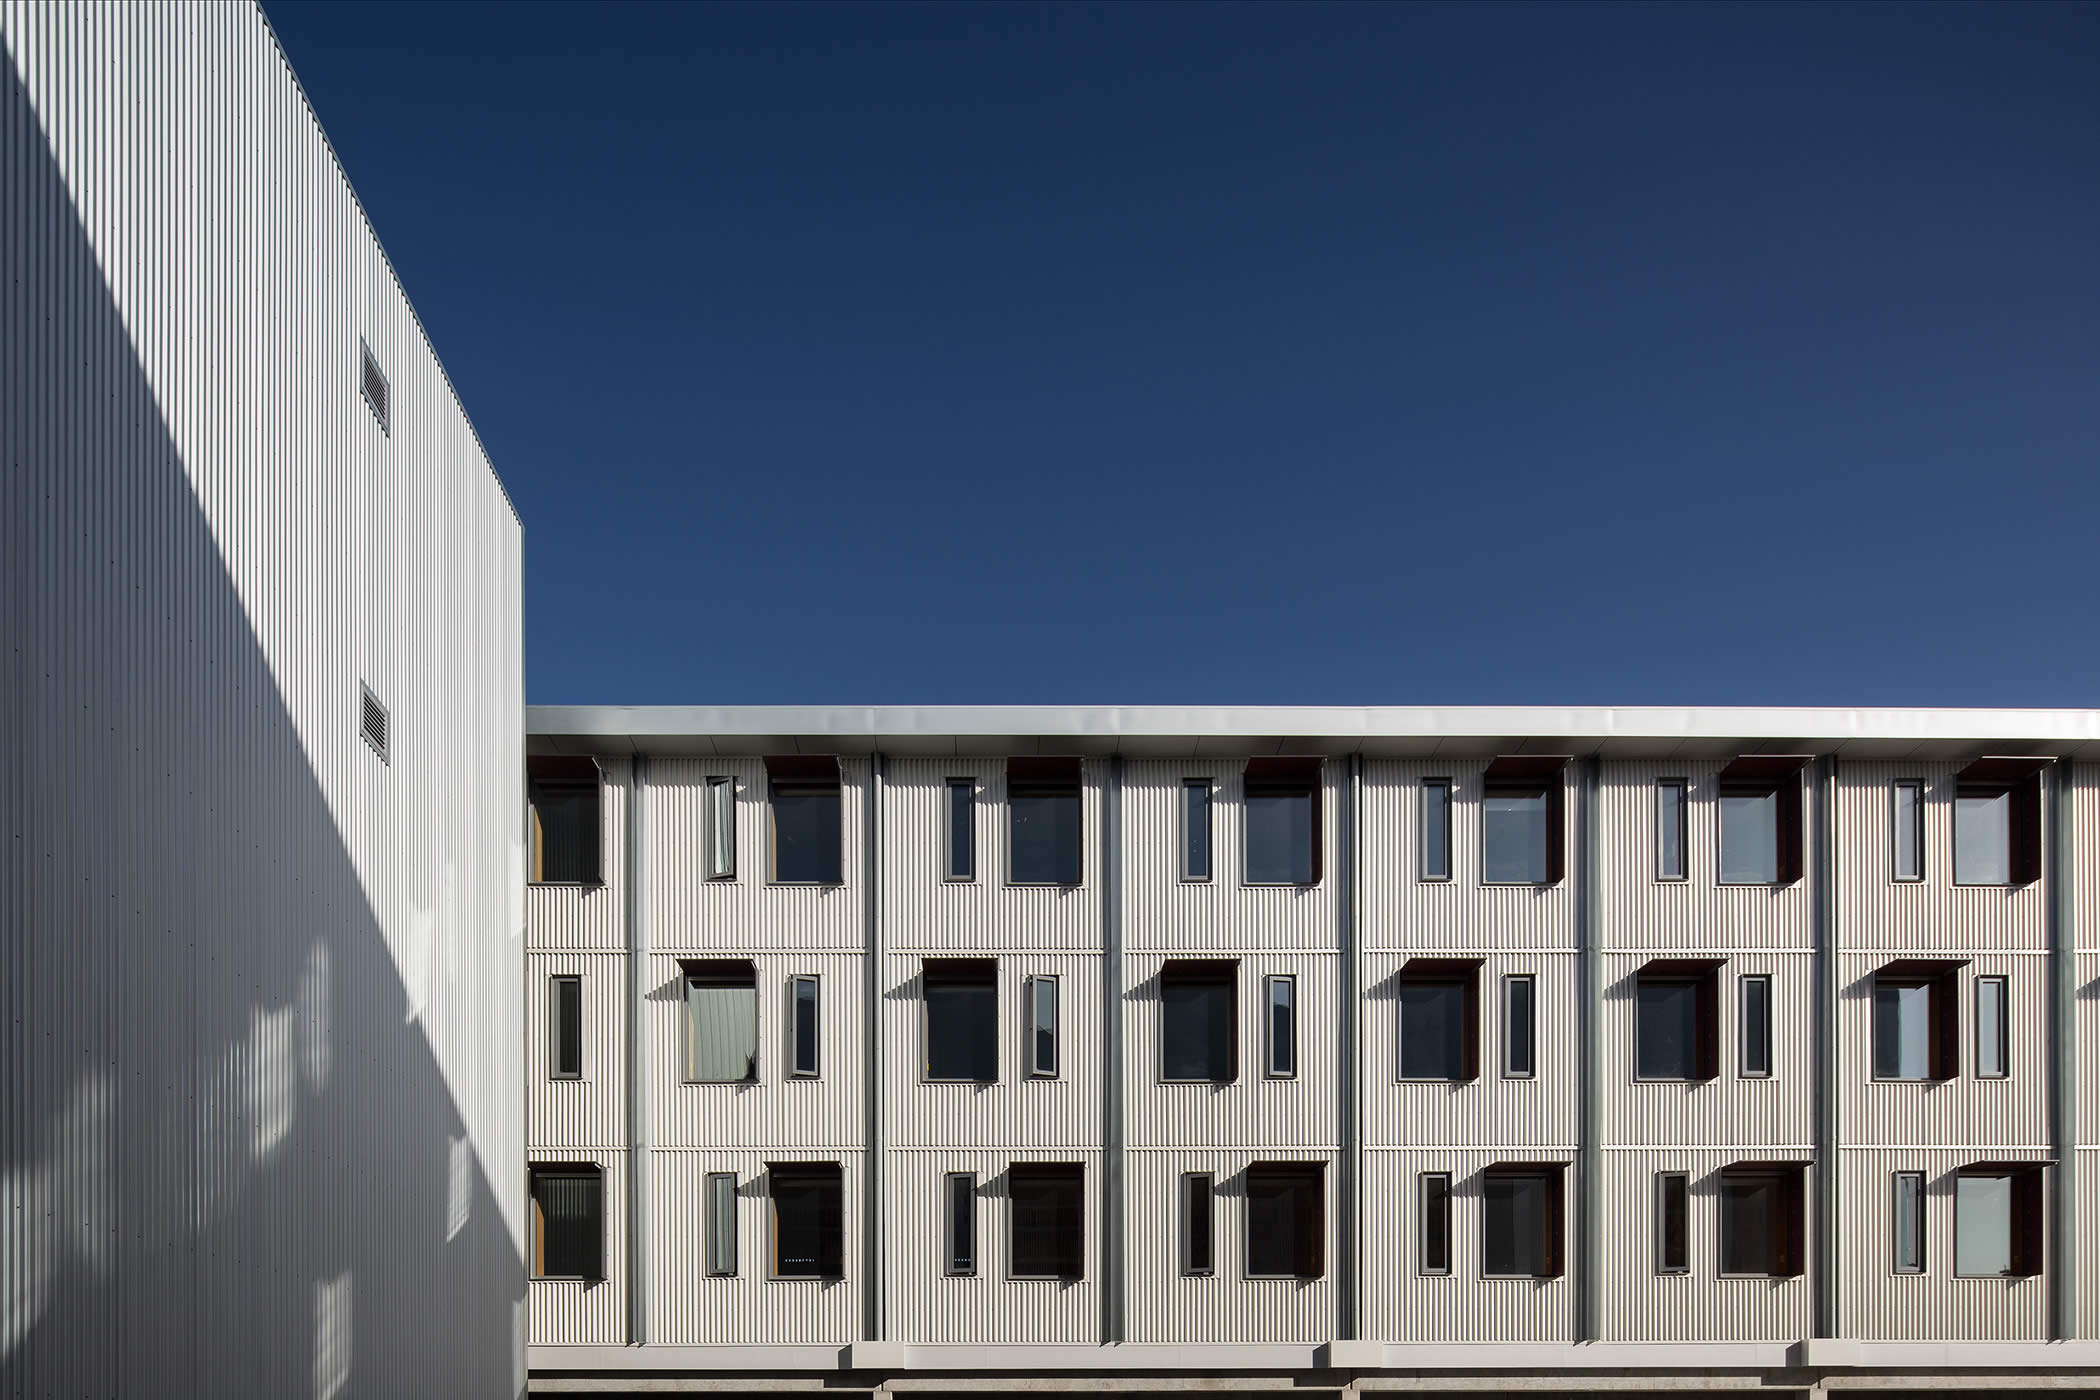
(262, 1128)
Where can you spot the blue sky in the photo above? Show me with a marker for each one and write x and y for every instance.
(1173, 354)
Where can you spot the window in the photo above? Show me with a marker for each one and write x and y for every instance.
(564, 794)
(1673, 1248)
(1998, 822)
(1279, 999)
(565, 1027)
(962, 1019)
(1198, 1227)
(1754, 1026)
(1436, 828)
(1039, 996)
(1670, 844)
(1195, 829)
(568, 1221)
(1519, 1026)
(721, 829)
(1998, 1220)
(371, 382)
(960, 1222)
(1761, 1219)
(962, 829)
(808, 848)
(721, 1019)
(1042, 807)
(1198, 1040)
(1907, 830)
(1917, 1019)
(1761, 820)
(1521, 1220)
(809, 1219)
(1440, 1019)
(721, 1224)
(1281, 809)
(1992, 1045)
(1049, 1204)
(1676, 1019)
(1908, 1233)
(805, 1025)
(1286, 1221)
(1521, 821)
(1436, 1223)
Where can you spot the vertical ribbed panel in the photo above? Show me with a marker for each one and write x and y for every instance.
(262, 1117)
(574, 1311)
(590, 1112)
(1402, 912)
(1641, 911)
(1933, 914)
(2085, 870)
(590, 916)
(1934, 1305)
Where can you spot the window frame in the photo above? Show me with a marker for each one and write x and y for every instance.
(560, 984)
(1744, 1026)
(1553, 1240)
(959, 813)
(2002, 1049)
(1425, 1212)
(954, 1262)
(1786, 1246)
(810, 1172)
(719, 836)
(1309, 1224)
(955, 971)
(796, 982)
(695, 973)
(1540, 776)
(1046, 777)
(1528, 1023)
(1897, 1181)
(1071, 1174)
(535, 1172)
(1441, 788)
(1203, 972)
(1271, 1043)
(798, 776)
(1283, 777)
(1032, 1027)
(1777, 776)
(1190, 788)
(1462, 973)
(1703, 976)
(1667, 1185)
(721, 1225)
(2019, 780)
(2027, 1230)
(559, 774)
(1682, 787)
(1941, 978)
(1914, 827)
(1195, 1187)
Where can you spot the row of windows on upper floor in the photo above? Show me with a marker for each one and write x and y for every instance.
(1676, 1022)
(1996, 829)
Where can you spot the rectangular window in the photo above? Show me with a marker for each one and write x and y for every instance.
(808, 845)
(962, 829)
(721, 1224)
(721, 1019)
(1998, 822)
(1198, 1037)
(1908, 1233)
(1440, 1019)
(809, 1219)
(1043, 811)
(1670, 816)
(1280, 807)
(1917, 1019)
(1522, 815)
(1519, 1026)
(1754, 1026)
(568, 1222)
(1982, 836)
(1520, 1221)
(1998, 1220)
(1436, 1223)
(1039, 996)
(1198, 1225)
(1992, 1044)
(961, 1222)
(721, 829)
(1049, 1207)
(1761, 820)
(1673, 1208)
(1279, 999)
(962, 1019)
(1286, 1220)
(1907, 828)
(1195, 829)
(1676, 1019)
(805, 1025)
(1436, 828)
(565, 801)
(1761, 1220)
(565, 1027)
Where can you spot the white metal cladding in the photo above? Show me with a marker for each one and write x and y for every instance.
(1402, 911)
(1730, 1110)
(576, 1310)
(689, 1307)
(1163, 911)
(590, 916)
(1492, 1110)
(1226, 1306)
(2085, 1031)
(1643, 1304)
(2085, 1247)
(924, 912)
(1252, 1110)
(778, 1110)
(1877, 911)
(1698, 912)
(238, 948)
(1018, 1110)
(1401, 1304)
(590, 1111)
(1934, 1305)
(927, 1305)
(687, 912)
(2084, 809)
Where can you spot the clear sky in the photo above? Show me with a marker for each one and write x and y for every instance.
(1177, 354)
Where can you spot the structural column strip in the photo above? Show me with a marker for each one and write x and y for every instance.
(1349, 1163)
(1112, 1231)
(875, 1162)
(1824, 1038)
(1589, 1175)
(636, 907)
(2063, 1060)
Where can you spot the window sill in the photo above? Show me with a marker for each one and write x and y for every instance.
(1927, 1083)
(1280, 885)
(1520, 1278)
(1046, 884)
(716, 1083)
(805, 884)
(1205, 1083)
(1284, 1278)
(966, 1083)
(565, 884)
(1520, 884)
(1761, 1278)
(805, 1278)
(568, 1278)
(1046, 1278)
(1417, 1079)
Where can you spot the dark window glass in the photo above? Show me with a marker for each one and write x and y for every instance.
(1436, 1222)
(1045, 817)
(1908, 1245)
(807, 846)
(1666, 1028)
(1041, 1002)
(1280, 1000)
(962, 829)
(1519, 1029)
(1992, 1044)
(1049, 1202)
(565, 822)
(1195, 829)
(1436, 828)
(721, 1224)
(1520, 1214)
(1197, 1040)
(1669, 829)
(1752, 1223)
(1285, 1221)
(566, 1021)
(807, 1023)
(962, 1019)
(1903, 1029)
(568, 1212)
(1513, 838)
(1756, 1028)
(1279, 834)
(809, 1213)
(962, 1223)
(1433, 1025)
(1198, 1254)
(1672, 1235)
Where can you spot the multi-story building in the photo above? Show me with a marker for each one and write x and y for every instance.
(1302, 1049)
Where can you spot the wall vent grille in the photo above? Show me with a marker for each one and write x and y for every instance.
(373, 384)
(373, 722)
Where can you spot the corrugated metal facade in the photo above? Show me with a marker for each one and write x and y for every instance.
(262, 1128)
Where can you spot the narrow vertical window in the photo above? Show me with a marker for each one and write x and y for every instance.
(1669, 829)
(1436, 828)
(1198, 1233)
(721, 828)
(1195, 829)
(1279, 1001)
(962, 829)
(1908, 1225)
(1039, 996)
(1436, 1223)
(1672, 1223)
(1992, 1044)
(1754, 1026)
(960, 1222)
(721, 1224)
(565, 1028)
(1907, 825)
(805, 1008)
(1519, 1026)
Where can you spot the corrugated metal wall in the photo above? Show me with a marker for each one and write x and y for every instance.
(1934, 1305)
(2082, 1173)
(263, 1122)
(689, 1307)
(591, 1111)
(577, 1310)
(1403, 911)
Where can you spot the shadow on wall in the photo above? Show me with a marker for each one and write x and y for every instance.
(229, 1165)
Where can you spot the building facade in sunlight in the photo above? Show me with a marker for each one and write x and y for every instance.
(260, 708)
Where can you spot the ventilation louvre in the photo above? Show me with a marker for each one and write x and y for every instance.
(374, 385)
(372, 723)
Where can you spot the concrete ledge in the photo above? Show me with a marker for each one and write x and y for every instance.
(1356, 1355)
(673, 1358)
